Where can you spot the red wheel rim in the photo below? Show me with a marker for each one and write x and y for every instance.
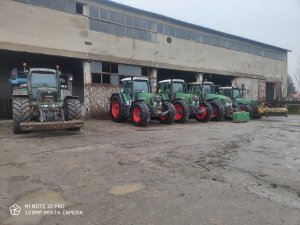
(115, 109)
(202, 115)
(179, 111)
(136, 114)
(215, 111)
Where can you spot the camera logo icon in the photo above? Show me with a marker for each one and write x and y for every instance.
(15, 210)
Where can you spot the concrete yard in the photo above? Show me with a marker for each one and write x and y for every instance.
(218, 173)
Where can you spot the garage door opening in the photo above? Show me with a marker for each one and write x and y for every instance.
(10, 60)
(221, 80)
(163, 74)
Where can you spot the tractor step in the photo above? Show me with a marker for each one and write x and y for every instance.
(240, 117)
(57, 125)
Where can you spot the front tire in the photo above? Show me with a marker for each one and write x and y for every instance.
(140, 114)
(218, 111)
(206, 115)
(182, 111)
(21, 113)
(73, 109)
(170, 117)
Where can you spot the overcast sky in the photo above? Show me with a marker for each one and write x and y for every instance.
(275, 22)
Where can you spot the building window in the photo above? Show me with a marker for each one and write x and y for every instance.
(79, 8)
(70, 6)
(94, 12)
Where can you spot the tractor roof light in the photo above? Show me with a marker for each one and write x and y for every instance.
(24, 66)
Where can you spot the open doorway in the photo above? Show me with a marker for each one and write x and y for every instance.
(10, 60)
(270, 91)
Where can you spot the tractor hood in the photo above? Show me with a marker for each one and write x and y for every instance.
(224, 100)
(149, 98)
(245, 101)
(214, 96)
(188, 98)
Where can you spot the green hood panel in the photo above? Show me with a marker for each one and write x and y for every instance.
(215, 96)
(245, 101)
(186, 97)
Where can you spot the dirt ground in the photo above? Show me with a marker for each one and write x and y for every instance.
(118, 174)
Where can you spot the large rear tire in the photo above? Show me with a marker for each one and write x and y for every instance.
(218, 111)
(21, 112)
(73, 109)
(182, 111)
(170, 117)
(140, 114)
(206, 115)
(117, 110)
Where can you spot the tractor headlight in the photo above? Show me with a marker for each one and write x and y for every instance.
(228, 103)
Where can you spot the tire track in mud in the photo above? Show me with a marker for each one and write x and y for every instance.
(258, 184)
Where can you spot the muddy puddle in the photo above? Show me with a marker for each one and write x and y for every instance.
(127, 188)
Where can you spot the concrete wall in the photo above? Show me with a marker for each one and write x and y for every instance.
(250, 87)
(48, 31)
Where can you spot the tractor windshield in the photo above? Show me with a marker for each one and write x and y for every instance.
(227, 92)
(141, 86)
(178, 87)
(43, 80)
(236, 93)
(208, 89)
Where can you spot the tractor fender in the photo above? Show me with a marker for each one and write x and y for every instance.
(140, 100)
(212, 99)
(180, 99)
(118, 95)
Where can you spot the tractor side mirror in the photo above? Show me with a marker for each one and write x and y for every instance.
(217, 89)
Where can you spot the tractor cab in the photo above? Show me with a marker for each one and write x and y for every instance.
(137, 88)
(231, 92)
(175, 89)
(135, 85)
(208, 88)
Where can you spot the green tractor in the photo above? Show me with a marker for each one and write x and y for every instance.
(222, 105)
(42, 100)
(248, 105)
(187, 105)
(255, 108)
(135, 101)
